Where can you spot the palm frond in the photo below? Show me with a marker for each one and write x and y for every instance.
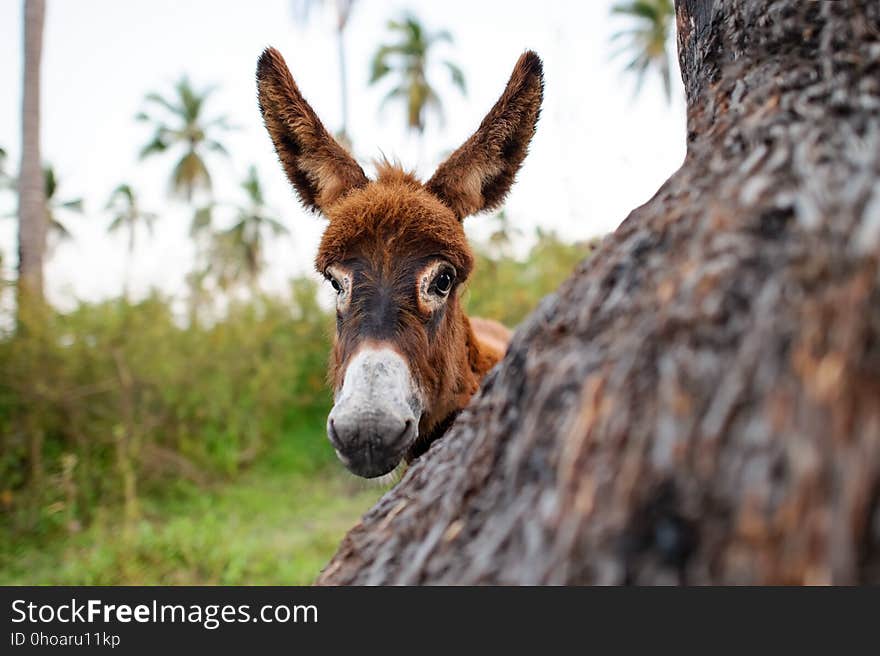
(156, 145)
(646, 40)
(379, 66)
(50, 182)
(75, 205)
(117, 223)
(158, 99)
(123, 191)
(216, 147)
(444, 36)
(221, 122)
(396, 25)
(58, 229)
(650, 10)
(457, 76)
(190, 175)
(252, 187)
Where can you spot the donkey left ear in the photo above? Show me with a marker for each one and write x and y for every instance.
(479, 174)
(319, 168)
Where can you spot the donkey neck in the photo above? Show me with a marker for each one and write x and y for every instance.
(477, 357)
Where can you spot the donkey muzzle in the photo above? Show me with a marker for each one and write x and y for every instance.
(376, 413)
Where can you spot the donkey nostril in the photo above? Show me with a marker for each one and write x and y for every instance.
(333, 435)
(405, 432)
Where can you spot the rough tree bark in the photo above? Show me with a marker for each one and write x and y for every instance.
(700, 402)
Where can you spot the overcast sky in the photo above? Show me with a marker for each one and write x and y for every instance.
(599, 151)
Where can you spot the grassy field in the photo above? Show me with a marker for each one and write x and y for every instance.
(274, 524)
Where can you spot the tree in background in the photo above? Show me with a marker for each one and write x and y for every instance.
(5, 177)
(181, 122)
(56, 228)
(408, 62)
(237, 253)
(32, 226)
(198, 136)
(129, 216)
(343, 8)
(647, 39)
(5, 182)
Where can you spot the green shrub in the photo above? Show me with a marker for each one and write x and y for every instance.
(507, 289)
(99, 404)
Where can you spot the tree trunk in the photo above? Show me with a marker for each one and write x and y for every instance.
(32, 221)
(700, 402)
(32, 225)
(343, 12)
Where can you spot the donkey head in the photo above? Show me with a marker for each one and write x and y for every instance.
(405, 359)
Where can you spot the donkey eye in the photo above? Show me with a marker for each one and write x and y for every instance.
(337, 286)
(443, 282)
(341, 283)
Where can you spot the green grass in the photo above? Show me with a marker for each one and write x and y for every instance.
(275, 524)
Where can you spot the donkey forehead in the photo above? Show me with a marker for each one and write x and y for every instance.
(393, 221)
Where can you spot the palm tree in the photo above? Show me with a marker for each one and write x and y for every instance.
(128, 215)
(31, 191)
(5, 182)
(237, 253)
(408, 61)
(179, 121)
(302, 8)
(55, 227)
(31, 218)
(648, 38)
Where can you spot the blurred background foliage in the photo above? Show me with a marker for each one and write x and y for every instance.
(166, 440)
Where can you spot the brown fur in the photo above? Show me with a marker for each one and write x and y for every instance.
(492, 336)
(386, 231)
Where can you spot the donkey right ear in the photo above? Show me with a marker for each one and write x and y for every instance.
(478, 175)
(319, 168)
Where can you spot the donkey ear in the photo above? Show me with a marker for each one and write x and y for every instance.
(479, 174)
(319, 168)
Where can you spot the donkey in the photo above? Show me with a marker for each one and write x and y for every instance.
(406, 359)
